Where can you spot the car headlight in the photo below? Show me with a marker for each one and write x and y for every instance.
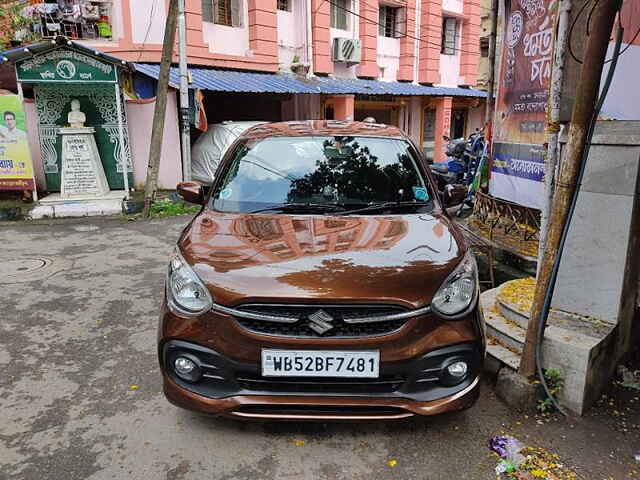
(459, 291)
(186, 294)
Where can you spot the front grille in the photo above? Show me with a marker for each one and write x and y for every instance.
(320, 385)
(303, 326)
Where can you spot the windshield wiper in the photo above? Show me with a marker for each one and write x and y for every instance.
(289, 207)
(386, 205)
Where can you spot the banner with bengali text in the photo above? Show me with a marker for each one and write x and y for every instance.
(517, 172)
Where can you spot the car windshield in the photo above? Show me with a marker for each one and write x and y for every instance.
(320, 171)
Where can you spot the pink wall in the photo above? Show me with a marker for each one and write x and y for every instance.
(140, 115)
(262, 37)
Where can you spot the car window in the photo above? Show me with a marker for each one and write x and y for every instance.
(320, 169)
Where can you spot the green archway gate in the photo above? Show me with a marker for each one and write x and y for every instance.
(65, 73)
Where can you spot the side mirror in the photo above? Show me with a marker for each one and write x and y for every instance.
(453, 195)
(191, 192)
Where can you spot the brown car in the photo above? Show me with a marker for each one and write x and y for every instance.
(322, 279)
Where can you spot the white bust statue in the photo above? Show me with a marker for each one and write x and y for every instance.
(76, 117)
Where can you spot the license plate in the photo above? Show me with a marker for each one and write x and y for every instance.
(312, 363)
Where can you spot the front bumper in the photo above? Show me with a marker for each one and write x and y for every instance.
(413, 387)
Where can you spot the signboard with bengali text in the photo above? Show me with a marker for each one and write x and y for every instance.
(64, 65)
(517, 173)
(16, 168)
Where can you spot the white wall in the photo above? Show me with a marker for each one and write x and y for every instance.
(389, 57)
(475, 119)
(353, 31)
(452, 6)
(623, 99)
(147, 16)
(228, 40)
(450, 69)
(291, 30)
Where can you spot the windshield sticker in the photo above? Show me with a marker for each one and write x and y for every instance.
(226, 193)
(420, 194)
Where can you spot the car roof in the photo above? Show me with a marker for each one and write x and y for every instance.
(322, 128)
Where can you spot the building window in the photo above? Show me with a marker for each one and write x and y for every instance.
(284, 5)
(222, 12)
(450, 32)
(339, 14)
(387, 17)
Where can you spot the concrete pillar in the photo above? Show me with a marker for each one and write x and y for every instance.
(320, 24)
(343, 107)
(443, 106)
(368, 67)
(431, 33)
(470, 55)
(407, 43)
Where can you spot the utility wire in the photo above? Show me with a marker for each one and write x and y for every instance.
(397, 32)
(146, 35)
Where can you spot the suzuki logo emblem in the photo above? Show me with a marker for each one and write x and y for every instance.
(320, 322)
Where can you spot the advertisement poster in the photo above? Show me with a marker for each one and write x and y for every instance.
(517, 173)
(16, 169)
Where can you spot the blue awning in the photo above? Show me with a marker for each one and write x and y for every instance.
(248, 82)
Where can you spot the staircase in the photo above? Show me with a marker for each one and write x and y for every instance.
(575, 345)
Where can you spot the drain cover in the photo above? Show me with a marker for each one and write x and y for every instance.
(29, 269)
(21, 267)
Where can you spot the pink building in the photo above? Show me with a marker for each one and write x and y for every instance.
(410, 63)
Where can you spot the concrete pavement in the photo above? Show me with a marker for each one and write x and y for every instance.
(79, 303)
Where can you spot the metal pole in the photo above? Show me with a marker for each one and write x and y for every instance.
(184, 93)
(553, 123)
(123, 153)
(35, 185)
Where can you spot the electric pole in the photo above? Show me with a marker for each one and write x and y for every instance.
(157, 131)
(602, 20)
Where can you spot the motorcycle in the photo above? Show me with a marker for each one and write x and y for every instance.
(465, 159)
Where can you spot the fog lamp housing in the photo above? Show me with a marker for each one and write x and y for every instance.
(454, 371)
(187, 367)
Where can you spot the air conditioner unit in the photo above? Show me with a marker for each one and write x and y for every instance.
(346, 50)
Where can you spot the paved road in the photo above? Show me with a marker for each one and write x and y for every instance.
(76, 334)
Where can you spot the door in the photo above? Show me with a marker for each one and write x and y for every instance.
(428, 132)
(458, 123)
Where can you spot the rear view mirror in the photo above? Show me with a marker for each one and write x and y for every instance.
(453, 195)
(191, 192)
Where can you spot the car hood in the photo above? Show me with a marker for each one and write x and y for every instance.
(399, 259)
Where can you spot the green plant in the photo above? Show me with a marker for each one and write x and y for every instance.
(555, 382)
(168, 208)
(296, 59)
(14, 25)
